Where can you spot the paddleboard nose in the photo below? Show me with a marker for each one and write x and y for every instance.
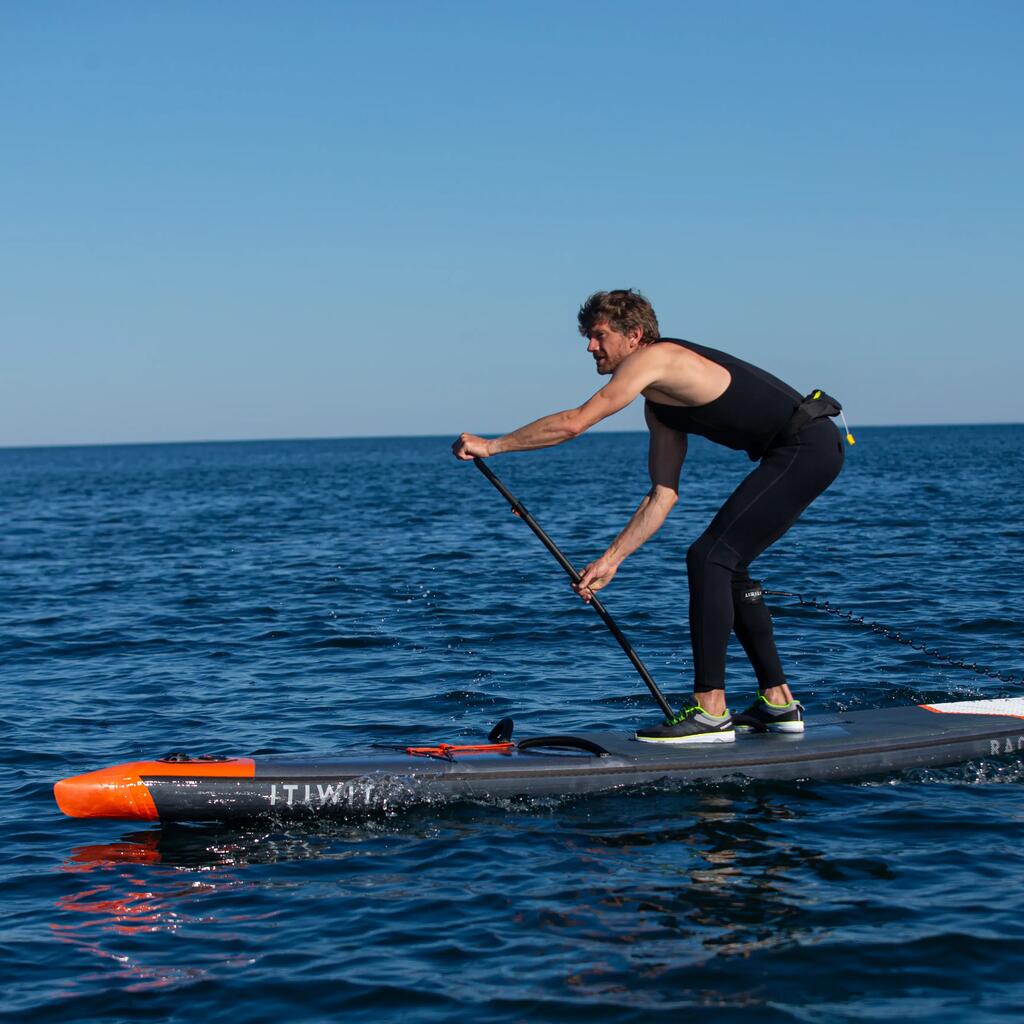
(116, 792)
(123, 792)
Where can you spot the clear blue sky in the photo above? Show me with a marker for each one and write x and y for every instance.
(254, 219)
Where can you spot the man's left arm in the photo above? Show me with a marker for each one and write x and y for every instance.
(666, 455)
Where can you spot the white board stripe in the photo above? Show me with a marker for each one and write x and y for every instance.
(1003, 706)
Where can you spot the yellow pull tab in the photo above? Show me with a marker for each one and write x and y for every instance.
(849, 437)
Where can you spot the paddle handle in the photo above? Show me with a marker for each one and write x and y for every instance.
(520, 510)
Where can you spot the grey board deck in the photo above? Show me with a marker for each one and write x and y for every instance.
(857, 744)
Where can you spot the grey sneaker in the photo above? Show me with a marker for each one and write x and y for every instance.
(763, 716)
(691, 725)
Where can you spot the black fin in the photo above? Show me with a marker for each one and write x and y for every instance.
(502, 732)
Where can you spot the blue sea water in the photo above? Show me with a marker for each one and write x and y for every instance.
(289, 597)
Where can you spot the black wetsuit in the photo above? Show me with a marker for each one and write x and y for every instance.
(751, 415)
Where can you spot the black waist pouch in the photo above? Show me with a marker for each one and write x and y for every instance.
(816, 406)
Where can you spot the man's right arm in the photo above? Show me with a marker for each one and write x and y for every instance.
(542, 433)
(636, 373)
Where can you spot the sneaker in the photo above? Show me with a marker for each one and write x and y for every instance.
(763, 716)
(691, 725)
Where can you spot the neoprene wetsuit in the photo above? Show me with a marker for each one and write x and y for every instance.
(751, 415)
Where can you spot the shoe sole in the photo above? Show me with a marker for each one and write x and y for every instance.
(705, 737)
(787, 727)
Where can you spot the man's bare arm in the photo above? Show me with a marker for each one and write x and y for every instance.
(665, 462)
(542, 433)
(636, 373)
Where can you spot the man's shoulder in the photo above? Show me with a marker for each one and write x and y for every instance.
(680, 348)
(671, 352)
(666, 348)
(674, 348)
(648, 362)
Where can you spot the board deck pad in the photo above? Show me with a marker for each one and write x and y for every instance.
(849, 745)
(1003, 706)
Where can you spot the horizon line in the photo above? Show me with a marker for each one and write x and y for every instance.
(385, 437)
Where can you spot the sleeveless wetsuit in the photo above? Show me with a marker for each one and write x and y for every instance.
(751, 415)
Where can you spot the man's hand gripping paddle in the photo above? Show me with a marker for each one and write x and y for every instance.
(520, 510)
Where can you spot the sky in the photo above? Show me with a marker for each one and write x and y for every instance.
(249, 219)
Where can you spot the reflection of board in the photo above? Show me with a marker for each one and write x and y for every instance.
(843, 746)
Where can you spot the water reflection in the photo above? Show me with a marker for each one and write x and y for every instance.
(718, 883)
(624, 895)
(203, 848)
(158, 883)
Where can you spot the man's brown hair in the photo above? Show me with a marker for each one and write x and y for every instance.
(624, 310)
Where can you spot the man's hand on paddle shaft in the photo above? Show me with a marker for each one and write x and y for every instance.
(469, 446)
(596, 576)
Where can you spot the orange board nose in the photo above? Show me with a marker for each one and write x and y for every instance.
(119, 792)
(116, 792)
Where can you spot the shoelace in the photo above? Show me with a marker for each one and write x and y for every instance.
(683, 715)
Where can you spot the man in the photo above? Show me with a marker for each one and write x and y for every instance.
(690, 389)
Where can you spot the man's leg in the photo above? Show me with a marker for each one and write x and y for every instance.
(753, 628)
(757, 513)
(710, 566)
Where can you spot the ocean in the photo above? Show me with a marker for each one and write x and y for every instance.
(327, 595)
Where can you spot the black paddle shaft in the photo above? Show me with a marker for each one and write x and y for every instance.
(520, 510)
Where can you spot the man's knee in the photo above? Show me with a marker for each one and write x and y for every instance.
(697, 556)
(709, 552)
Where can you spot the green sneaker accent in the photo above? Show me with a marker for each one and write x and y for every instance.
(764, 716)
(683, 715)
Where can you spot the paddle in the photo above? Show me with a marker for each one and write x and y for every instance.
(520, 510)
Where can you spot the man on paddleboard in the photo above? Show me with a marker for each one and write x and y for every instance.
(690, 389)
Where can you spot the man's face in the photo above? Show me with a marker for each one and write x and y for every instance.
(610, 347)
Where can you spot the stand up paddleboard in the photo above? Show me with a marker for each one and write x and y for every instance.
(854, 745)
(833, 747)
